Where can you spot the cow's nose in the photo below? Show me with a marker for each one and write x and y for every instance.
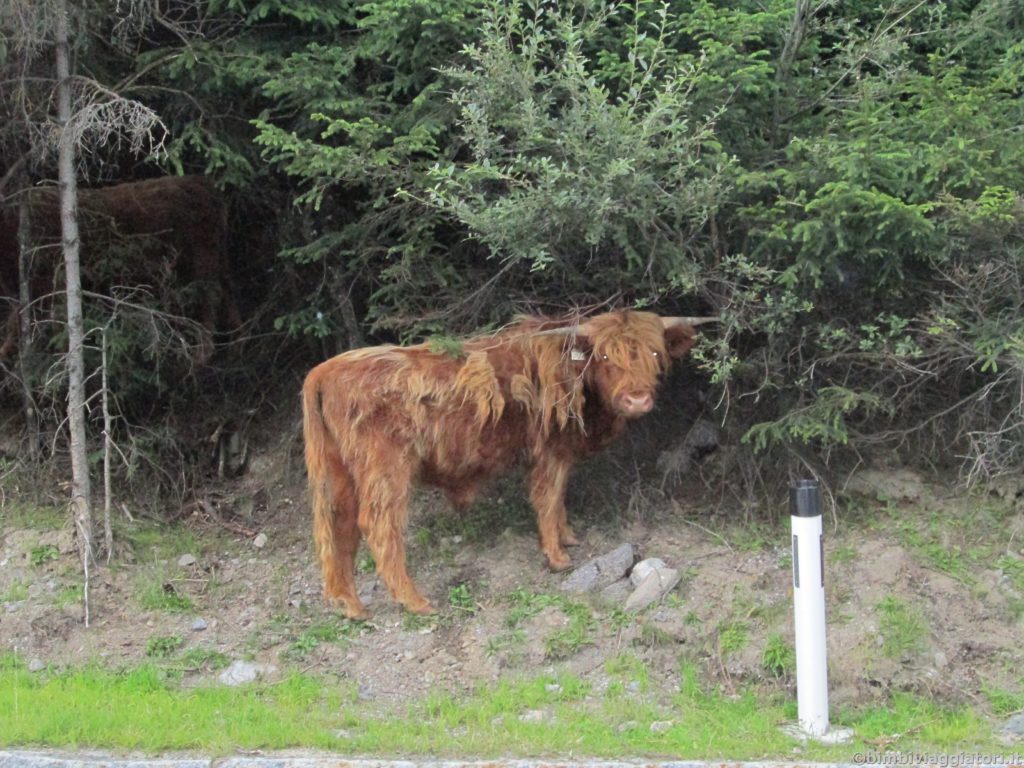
(637, 402)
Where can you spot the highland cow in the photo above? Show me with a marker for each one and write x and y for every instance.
(542, 392)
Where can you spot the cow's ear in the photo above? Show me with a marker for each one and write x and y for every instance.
(679, 339)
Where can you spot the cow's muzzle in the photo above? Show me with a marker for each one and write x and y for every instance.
(633, 404)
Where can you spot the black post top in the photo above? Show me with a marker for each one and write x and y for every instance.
(805, 498)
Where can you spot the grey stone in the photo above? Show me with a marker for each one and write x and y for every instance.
(598, 573)
(534, 716)
(199, 625)
(660, 726)
(242, 672)
(642, 569)
(186, 560)
(617, 592)
(1012, 731)
(260, 541)
(36, 665)
(553, 688)
(657, 584)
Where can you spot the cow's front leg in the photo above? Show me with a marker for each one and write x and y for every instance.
(548, 481)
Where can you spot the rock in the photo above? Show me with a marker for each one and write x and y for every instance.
(186, 560)
(242, 672)
(657, 584)
(1012, 731)
(940, 660)
(660, 726)
(534, 716)
(553, 688)
(598, 573)
(36, 665)
(260, 541)
(199, 625)
(617, 592)
(642, 569)
(629, 725)
(364, 692)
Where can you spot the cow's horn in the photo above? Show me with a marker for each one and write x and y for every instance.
(671, 322)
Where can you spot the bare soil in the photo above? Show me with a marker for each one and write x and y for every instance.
(263, 603)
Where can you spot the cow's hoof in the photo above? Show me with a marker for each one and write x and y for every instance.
(559, 563)
(358, 614)
(421, 609)
(568, 539)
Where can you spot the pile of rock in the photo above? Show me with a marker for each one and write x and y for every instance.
(617, 579)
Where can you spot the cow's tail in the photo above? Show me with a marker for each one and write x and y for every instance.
(318, 443)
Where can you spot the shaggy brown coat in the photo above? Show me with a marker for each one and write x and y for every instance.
(183, 217)
(380, 418)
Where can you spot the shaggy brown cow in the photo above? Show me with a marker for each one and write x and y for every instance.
(542, 392)
(179, 222)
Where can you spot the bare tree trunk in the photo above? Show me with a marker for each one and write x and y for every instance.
(108, 444)
(26, 328)
(798, 28)
(80, 490)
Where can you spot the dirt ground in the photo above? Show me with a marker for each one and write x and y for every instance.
(258, 598)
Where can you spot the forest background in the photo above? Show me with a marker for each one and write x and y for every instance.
(839, 182)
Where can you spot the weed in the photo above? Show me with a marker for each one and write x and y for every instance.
(204, 658)
(163, 647)
(732, 637)
(446, 345)
(158, 595)
(15, 593)
(1003, 702)
(902, 628)
(461, 600)
(330, 631)
(652, 636)
(563, 643)
(413, 622)
(365, 562)
(1013, 569)
(845, 553)
(506, 644)
(69, 595)
(43, 554)
(778, 656)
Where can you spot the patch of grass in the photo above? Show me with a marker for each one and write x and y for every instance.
(733, 636)
(69, 595)
(42, 554)
(1013, 568)
(461, 600)
(507, 644)
(195, 659)
(778, 657)
(164, 646)
(16, 592)
(653, 636)
(328, 631)
(563, 643)
(365, 562)
(149, 710)
(155, 594)
(902, 628)
(16, 514)
(1002, 701)
(446, 345)
(161, 542)
(844, 553)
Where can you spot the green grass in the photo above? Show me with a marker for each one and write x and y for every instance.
(147, 709)
(17, 514)
(903, 629)
(43, 554)
(17, 591)
(778, 657)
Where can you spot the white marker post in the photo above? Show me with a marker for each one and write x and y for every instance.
(809, 607)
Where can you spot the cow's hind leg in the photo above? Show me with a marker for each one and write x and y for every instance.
(383, 513)
(548, 481)
(338, 559)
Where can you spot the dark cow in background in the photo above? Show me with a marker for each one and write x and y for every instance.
(543, 392)
(168, 232)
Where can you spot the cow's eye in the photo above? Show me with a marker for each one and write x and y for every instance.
(604, 357)
(655, 354)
